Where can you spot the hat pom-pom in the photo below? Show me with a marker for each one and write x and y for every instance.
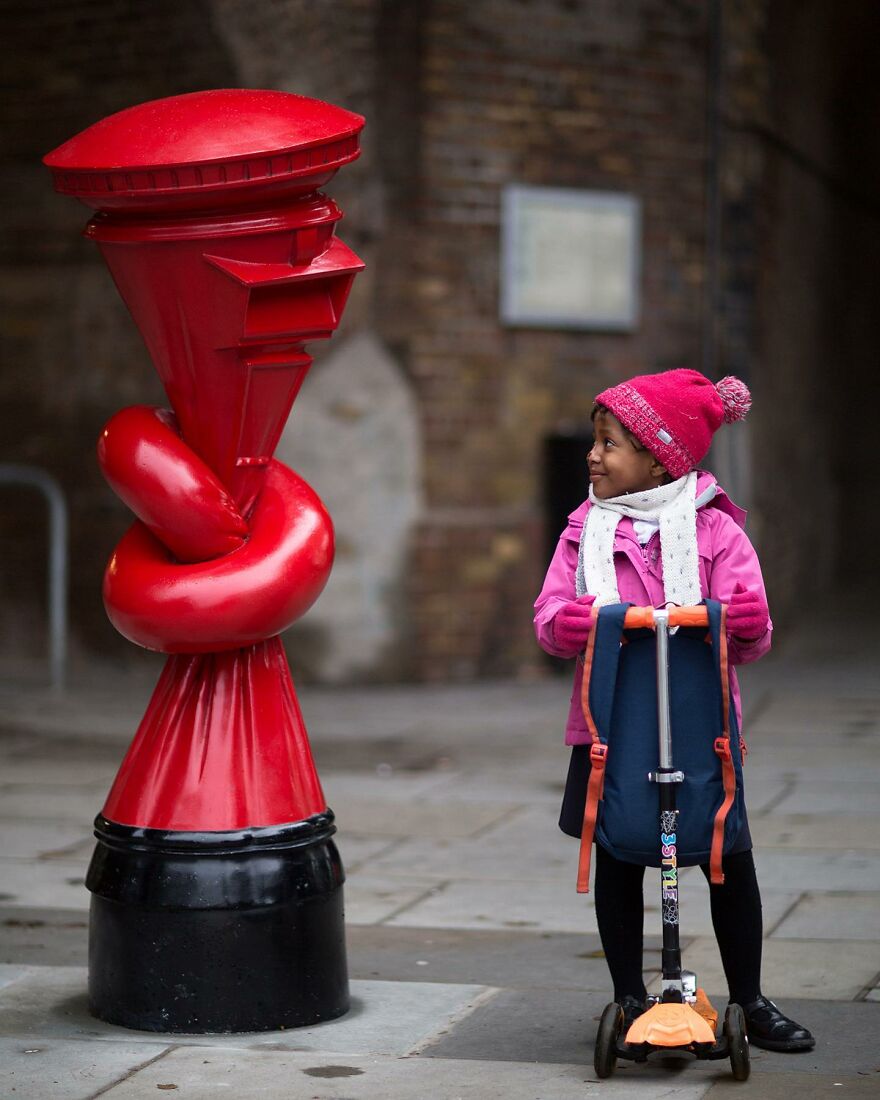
(735, 398)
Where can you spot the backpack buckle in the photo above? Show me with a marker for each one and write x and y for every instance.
(722, 747)
(598, 752)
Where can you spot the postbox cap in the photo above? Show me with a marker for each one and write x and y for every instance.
(224, 147)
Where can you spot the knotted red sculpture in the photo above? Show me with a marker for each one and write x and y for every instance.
(217, 889)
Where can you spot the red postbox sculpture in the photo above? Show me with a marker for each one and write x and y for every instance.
(216, 886)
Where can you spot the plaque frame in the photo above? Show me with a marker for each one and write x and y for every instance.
(538, 289)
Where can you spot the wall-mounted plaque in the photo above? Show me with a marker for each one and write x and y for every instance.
(570, 258)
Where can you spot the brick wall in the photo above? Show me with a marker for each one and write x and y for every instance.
(800, 233)
(599, 96)
(461, 99)
(70, 354)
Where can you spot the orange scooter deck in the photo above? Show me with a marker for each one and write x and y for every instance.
(670, 1025)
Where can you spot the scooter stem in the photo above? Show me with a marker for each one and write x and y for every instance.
(667, 779)
(661, 627)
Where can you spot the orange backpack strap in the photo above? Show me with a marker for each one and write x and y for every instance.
(722, 748)
(596, 785)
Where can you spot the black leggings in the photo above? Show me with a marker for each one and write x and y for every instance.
(736, 918)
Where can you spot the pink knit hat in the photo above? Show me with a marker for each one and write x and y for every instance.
(676, 413)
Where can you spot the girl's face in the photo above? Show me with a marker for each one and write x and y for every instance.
(616, 466)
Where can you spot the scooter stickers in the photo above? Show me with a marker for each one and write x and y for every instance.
(669, 866)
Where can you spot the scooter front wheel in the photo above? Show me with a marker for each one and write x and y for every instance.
(737, 1041)
(610, 1027)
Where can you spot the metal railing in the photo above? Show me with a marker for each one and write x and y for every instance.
(13, 473)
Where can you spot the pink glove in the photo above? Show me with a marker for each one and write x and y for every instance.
(573, 623)
(747, 614)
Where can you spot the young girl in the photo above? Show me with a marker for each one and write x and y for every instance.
(656, 530)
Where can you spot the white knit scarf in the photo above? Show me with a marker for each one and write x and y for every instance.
(673, 506)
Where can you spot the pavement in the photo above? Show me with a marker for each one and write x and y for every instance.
(476, 969)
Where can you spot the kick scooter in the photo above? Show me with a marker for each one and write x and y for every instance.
(671, 1024)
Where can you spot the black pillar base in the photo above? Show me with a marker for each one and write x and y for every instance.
(217, 932)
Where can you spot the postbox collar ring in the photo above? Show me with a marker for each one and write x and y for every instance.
(302, 214)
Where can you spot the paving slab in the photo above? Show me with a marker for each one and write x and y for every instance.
(552, 905)
(42, 839)
(376, 817)
(819, 731)
(522, 903)
(79, 851)
(277, 1076)
(815, 969)
(38, 749)
(11, 972)
(764, 787)
(384, 784)
(385, 1017)
(535, 1025)
(832, 796)
(44, 937)
(66, 1070)
(529, 841)
(804, 1086)
(536, 775)
(846, 1042)
(55, 770)
(66, 804)
(833, 917)
(356, 850)
(374, 897)
(53, 883)
(518, 709)
(810, 730)
(806, 705)
(834, 832)
(514, 784)
(456, 791)
(549, 1026)
(695, 912)
(512, 959)
(525, 789)
(818, 871)
(848, 764)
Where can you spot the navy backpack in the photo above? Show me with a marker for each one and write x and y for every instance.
(619, 694)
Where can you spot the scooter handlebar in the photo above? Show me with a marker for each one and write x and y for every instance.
(678, 616)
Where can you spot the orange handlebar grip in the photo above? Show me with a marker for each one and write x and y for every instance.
(689, 616)
(643, 617)
(639, 617)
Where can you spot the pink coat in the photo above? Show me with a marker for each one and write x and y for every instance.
(726, 556)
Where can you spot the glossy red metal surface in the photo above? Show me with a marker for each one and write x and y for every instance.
(222, 746)
(238, 599)
(176, 495)
(226, 256)
(232, 144)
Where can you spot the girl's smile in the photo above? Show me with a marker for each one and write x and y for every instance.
(616, 463)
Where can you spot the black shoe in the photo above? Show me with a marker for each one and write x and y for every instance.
(767, 1027)
(632, 1009)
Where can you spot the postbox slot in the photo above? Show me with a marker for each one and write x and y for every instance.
(284, 310)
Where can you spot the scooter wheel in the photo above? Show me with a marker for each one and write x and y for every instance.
(737, 1041)
(610, 1027)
